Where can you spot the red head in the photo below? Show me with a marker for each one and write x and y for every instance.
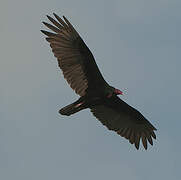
(118, 92)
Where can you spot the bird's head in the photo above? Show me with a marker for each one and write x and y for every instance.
(118, 92)
(113, 91)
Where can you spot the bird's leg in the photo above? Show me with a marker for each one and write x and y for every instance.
(86, 103)
(78, 105)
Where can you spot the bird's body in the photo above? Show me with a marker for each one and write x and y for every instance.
(82, 73)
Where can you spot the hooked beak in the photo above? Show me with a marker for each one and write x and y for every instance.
(118, 92)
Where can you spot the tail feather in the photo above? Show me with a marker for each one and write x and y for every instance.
(81, 103)
(71, 109)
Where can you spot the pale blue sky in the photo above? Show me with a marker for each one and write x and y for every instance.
(137, 45)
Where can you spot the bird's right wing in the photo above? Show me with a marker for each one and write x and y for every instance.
(118, 116)
(74, 57)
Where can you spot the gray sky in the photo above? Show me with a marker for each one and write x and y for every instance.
(137, 46)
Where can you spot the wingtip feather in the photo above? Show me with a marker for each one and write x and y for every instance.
(144, 141)
(136, 146)
(55, 14)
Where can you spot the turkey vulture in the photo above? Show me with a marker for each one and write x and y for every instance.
(82, 73)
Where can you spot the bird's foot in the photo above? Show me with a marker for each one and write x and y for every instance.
(78, 105)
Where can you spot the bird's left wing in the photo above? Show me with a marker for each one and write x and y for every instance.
(74, 57)
(118, 116)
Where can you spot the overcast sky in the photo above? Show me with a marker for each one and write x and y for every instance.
(137, 46)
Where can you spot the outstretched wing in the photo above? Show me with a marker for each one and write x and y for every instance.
(74, 57)
(118, 116)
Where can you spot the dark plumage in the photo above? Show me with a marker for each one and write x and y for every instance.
(82, 73)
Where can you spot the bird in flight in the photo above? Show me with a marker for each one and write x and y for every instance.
(82, 74)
